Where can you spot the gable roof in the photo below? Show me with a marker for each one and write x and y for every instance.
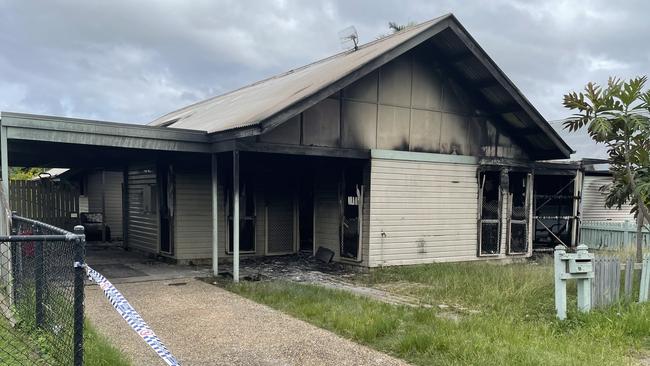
(263, 105)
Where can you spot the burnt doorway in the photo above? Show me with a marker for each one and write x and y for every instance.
(351, 211)
(280, 208)
(306, 210)
(555, 211)
(166, 194)
(489, 223)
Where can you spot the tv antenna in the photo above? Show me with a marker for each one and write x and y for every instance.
(349, 38)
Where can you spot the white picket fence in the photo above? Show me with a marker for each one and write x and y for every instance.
(613, 281)
(611, 235)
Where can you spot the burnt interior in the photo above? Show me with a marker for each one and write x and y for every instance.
(553, 208)
(517, 187)
(490, 212)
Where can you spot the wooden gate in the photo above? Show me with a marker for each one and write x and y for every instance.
(52, 202)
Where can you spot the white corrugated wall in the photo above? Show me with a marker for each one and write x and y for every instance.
(422, 212)
(593, 202)
(143, 226)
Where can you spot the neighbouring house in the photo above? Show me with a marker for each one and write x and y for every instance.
(414, 148)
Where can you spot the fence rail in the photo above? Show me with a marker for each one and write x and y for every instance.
(611, 235)
(41, 294)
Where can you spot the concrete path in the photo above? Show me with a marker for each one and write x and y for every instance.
(205, 325)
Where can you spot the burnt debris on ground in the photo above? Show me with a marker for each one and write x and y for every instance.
(297, 268)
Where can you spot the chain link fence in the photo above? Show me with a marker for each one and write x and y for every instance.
(41, 294)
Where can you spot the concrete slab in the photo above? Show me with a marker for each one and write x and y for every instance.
(120, 266)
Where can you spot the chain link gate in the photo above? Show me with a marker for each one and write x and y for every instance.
(41, 294)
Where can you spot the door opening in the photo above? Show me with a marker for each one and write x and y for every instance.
(351, 207)
(166, 194)
(306, 211)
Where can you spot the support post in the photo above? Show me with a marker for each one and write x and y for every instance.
(560, 284)
(4, 158)
(235, 216)
(584, 285)
(39, 282)
(125, 207)
(215, 217)
(79, 274)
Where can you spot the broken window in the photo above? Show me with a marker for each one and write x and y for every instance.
(490, 212)
(518, 183)
(148, 197)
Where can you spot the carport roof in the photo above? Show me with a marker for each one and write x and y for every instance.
(263, 105)
(47, 141)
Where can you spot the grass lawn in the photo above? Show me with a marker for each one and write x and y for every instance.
(17, 348)
(98, 351)
(506, 317)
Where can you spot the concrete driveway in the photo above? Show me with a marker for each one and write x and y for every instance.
(205, 325)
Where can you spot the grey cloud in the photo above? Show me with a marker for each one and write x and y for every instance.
(133, 61)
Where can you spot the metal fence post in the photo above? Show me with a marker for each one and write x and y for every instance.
(39, 282)
(79, 271)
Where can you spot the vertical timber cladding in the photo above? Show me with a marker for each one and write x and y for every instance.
(143, 224)
(422, 211)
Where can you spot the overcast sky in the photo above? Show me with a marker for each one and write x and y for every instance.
(132, 61)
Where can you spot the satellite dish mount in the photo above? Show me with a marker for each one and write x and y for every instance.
(349, 38)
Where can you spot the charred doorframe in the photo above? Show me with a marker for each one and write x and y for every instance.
(564, 186)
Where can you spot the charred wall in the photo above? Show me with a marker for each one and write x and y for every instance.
(408, 104)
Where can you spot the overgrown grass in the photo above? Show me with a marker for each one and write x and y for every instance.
(98, 350)
(18, 347)
(515, 323)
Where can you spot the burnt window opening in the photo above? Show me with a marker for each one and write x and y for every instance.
(490, 213)
(518, 212)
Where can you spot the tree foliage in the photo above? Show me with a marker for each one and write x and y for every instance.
(394, 27)
(618, 116)
(17, 173)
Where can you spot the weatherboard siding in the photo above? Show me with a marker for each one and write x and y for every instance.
(593, 202)
(193, 216)
(113, 202)
(422, 212)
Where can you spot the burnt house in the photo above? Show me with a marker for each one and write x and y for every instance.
(413, 148)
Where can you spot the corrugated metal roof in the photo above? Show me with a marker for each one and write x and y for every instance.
(253, 103)
(283, 95)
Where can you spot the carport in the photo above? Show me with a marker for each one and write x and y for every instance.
(49, 142)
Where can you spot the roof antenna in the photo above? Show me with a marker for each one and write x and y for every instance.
(349, 38)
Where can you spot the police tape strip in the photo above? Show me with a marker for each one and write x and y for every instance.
(131, 316)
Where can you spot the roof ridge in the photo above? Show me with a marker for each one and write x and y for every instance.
(291, 71)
